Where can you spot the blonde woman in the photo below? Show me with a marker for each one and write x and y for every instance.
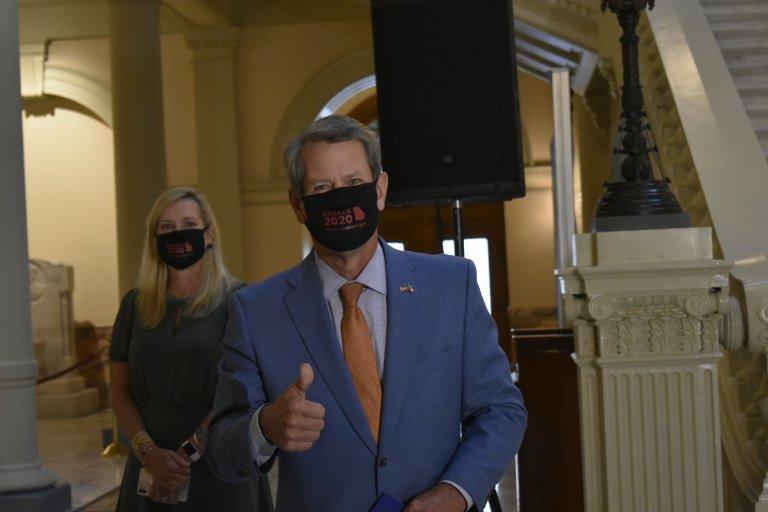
(164, 355)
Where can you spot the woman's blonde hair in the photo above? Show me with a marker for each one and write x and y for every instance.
(214, 282)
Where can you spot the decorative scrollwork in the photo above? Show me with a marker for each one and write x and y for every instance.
(763, 313)
(601, 307)
(696, 305)
(637, 337)
(37, 283)
(709, 334)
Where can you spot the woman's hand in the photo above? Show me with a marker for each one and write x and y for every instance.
(169, 472)
(181, 453)
(160, 494)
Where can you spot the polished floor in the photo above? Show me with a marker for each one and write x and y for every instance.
(72, 448)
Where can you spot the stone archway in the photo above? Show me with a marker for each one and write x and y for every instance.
(349, 97)
(40, 78)
(314, 96)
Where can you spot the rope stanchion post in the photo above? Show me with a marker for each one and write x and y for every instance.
(115, 449)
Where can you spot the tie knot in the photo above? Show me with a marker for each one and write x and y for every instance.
(350, 292)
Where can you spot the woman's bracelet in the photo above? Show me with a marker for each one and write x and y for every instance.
(142, 444)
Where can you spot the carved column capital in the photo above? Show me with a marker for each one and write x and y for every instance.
(648, 324)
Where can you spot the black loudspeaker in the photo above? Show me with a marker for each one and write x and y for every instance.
(449, 117)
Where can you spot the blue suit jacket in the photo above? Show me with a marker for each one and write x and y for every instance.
(443, 365)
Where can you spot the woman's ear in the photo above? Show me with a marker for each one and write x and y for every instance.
(208, 237)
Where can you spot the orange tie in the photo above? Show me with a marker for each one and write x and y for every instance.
(359, 355)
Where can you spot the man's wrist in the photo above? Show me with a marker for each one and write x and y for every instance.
(260, 425)
(461, 491)
(261, 449)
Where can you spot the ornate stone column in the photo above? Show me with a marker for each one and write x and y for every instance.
(137, 108)
(648, 310)
(216, 134)
(24, 483)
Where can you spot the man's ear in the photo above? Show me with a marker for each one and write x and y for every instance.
(381, 190)
(298, 206)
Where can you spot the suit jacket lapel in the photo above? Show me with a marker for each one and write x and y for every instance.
(309, 311)
(405, 324)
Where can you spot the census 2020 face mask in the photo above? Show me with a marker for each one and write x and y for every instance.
(343, 219)
(181, 249)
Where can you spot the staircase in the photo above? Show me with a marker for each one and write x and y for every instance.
(705, 110)
(741, 30)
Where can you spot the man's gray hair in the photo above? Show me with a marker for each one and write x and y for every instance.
(330, 129)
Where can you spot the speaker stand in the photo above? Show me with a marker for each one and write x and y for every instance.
(458, 227)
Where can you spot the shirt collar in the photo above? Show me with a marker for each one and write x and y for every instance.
(373, 276)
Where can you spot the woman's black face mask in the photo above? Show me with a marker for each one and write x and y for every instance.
(181, 249)
(343, 219)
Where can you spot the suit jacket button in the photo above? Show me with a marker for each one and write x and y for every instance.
(383, 462)
(244, 472)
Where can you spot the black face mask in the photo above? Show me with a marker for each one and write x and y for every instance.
(344, 218)
(182, 248)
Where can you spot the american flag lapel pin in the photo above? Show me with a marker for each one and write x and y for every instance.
(406, 288)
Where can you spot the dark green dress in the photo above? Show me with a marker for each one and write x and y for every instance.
(173, 376)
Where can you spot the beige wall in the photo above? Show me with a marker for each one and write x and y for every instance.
(536, 117)
(529, 221)
(530, 249)
(592, 162)
(280, 238)
(69, 172)
(282, 81)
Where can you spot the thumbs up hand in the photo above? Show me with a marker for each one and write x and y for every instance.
(293, 423)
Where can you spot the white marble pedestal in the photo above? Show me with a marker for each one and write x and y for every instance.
(648, 309)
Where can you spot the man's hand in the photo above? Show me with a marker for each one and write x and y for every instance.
(293, 423)
(442, 497)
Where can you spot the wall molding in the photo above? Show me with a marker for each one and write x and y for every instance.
(40, 78)
(80, 88)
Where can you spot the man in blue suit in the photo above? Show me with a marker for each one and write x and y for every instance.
(358, 366)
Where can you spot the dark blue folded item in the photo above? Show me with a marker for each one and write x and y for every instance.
(387, 503)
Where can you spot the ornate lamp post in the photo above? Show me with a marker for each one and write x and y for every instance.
(633, 199)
